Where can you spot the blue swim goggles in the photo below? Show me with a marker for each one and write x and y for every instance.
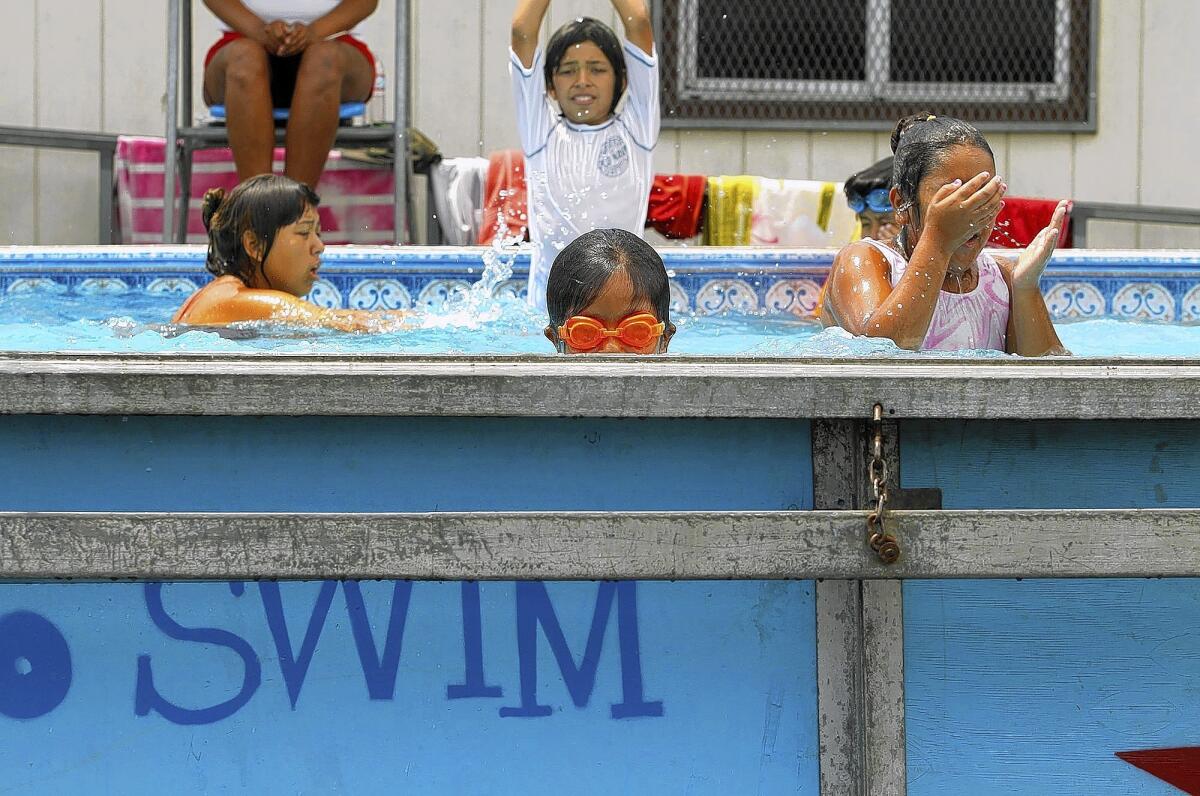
(878, 201)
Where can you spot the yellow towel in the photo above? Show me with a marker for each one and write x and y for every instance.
(825, 210)
(730, 209)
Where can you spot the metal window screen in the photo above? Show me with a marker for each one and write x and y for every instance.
(1018, 64)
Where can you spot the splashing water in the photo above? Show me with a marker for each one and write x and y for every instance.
(483, 301)
(1001, 229)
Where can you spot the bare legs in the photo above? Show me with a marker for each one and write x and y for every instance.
(239, 76)
(330, 72)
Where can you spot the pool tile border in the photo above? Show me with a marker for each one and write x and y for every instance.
(1142, 285)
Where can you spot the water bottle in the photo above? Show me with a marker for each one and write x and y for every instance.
(377, 105)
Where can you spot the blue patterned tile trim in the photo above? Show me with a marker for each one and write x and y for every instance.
(1146, 285)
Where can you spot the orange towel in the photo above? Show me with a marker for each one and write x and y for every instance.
(505, 201)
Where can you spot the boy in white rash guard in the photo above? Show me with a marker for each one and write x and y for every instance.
(588, 166)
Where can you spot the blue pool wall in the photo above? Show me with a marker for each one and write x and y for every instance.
(1011, 686)
(1143, 285)
(1017, 687)
(429, 687)
(370, 687)
(400, 464)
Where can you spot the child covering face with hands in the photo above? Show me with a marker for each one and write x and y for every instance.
(935, 287)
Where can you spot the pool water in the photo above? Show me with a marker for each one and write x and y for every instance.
(47, 320)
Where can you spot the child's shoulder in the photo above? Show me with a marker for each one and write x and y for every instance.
(864, 248)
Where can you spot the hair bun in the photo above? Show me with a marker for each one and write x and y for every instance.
(213, 198)
(907, 123)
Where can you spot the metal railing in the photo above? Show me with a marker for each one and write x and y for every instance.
(1084, 212)
(597, 545)
(103, 144)
(594, 386)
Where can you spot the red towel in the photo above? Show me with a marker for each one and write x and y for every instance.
(1022, 219)
(505, 202)
(677, 204)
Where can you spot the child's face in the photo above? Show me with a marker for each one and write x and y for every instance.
(584, 84)
(960, 163)
(614, 304)
(880, 226)
(295, 255)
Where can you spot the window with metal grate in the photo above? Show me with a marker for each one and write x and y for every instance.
(1004, 64)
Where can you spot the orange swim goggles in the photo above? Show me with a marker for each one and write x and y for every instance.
(586, 334)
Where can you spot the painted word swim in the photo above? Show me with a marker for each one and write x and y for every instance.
(380, 667)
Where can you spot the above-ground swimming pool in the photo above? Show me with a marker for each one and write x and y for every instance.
(751, 302)
(597, 574)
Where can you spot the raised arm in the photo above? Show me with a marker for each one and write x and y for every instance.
(639, 28)
(1031, 332)
(526, 23)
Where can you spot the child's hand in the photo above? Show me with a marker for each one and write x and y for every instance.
(1032, 262)
(961, 210)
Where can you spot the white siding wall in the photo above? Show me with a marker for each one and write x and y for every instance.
(100, 64)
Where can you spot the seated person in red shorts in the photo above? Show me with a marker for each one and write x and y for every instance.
(298, 54)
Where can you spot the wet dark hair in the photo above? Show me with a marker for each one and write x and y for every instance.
(871, 178)
(262, 205)
(920, 143)
(581, 30)
(581, 270)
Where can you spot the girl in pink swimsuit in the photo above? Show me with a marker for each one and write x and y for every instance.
(935, 288)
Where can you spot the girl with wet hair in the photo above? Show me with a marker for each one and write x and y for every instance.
(264, 250)
(608, 293)
(935, 287)
(588, 158)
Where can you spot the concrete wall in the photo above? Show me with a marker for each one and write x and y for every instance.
(101, 65)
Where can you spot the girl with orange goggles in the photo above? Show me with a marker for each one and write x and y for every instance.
(608, 293)
(635, 331)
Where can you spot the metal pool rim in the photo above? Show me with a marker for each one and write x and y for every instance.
(596, 386)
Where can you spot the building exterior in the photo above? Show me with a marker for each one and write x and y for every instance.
(101, 66)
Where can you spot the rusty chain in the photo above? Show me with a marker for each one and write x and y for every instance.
(883, 543)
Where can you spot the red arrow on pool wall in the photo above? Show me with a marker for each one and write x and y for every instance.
(1179, 767)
